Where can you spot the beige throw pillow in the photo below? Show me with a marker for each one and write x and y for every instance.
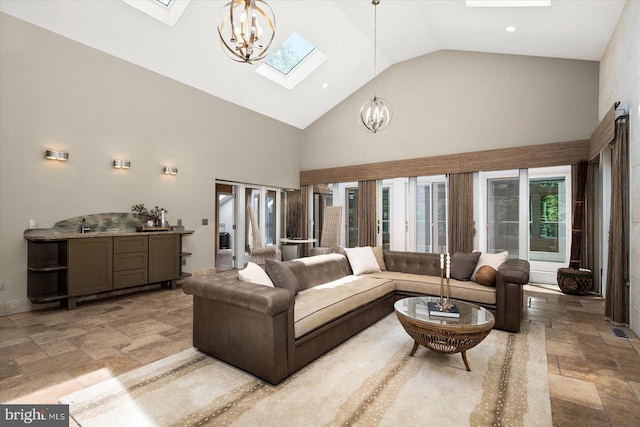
(492, 260)
(379, 254)
(362, 260)
(255, 274)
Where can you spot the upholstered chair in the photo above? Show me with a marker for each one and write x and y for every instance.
(260, 253)
(331, 229)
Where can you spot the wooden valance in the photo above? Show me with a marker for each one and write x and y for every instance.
(532, 156)
(604, 133)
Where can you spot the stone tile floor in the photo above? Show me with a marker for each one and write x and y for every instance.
(594, 377)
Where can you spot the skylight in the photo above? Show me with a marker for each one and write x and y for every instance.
(292, 62)
(290, 53)
(167, 11)
(508, 3)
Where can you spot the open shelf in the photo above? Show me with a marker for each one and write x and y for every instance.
(48, 297)
(47, 268)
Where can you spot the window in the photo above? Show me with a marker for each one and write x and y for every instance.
(547, 219)
(270, 217)
(165, 11)
(503, 198)
(352, 217)
(292, 62)
(386, 218)
(431, 214)
(290, 53)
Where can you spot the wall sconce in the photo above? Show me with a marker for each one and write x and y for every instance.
(121, 164)
(56, 155)
(169, 170)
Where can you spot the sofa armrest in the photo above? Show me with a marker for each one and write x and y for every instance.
(263, 299)
(245, 324)
(515, 271)
(512, 275)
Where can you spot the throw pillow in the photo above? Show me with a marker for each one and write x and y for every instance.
(379, 254)
(255, 274)
(362, 260)
(281, 276)
(492, 260)
(486, 275)
(463, 265)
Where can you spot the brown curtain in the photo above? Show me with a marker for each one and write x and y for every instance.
(461, 228)
(304, 218)
(367, 235)
(579, 180)
(617, 292)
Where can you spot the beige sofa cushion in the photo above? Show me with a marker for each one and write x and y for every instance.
(430, 285)
(318, 305)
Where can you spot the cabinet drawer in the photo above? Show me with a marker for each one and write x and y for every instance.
(130, 261)
(124, 279)
(130, 244)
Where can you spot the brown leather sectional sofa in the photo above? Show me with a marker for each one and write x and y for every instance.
(271, 333)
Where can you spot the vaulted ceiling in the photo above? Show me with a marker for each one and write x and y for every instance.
(190, 51)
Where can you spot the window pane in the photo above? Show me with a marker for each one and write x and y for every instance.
(253, 198)
(270, 217)
(547, 219)
(423, 218)
(441, 212)
(290, 53)
(386, 219)
(352, 217)
(503, 216)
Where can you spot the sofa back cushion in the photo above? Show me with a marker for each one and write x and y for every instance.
(319, 269)
(413, 262)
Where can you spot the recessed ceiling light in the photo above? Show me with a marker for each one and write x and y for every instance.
(325, 85)
(510, 29)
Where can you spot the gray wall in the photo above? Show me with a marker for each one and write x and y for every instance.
(451, 102)
(56, 93)
(620, 81)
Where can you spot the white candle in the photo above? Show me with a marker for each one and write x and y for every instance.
(448, 266)
(441, 261)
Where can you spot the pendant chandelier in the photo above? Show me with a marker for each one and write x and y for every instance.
(246, 29)
(376, 113)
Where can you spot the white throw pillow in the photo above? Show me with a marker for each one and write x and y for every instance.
(362, 260)
(492, 260)
(255, 274)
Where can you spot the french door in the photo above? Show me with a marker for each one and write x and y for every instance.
(412, 214)
(527, 213)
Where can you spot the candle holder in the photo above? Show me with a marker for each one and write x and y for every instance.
(441, 286)
(447, 302)
(445, 293)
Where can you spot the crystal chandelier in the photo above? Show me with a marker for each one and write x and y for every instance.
(246, 29)
(376, 113)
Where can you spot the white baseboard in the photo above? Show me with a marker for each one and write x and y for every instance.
(545, 277)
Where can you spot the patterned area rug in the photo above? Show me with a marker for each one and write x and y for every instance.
(368, 380)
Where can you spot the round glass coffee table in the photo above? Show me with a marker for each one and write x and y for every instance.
(444, 334)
